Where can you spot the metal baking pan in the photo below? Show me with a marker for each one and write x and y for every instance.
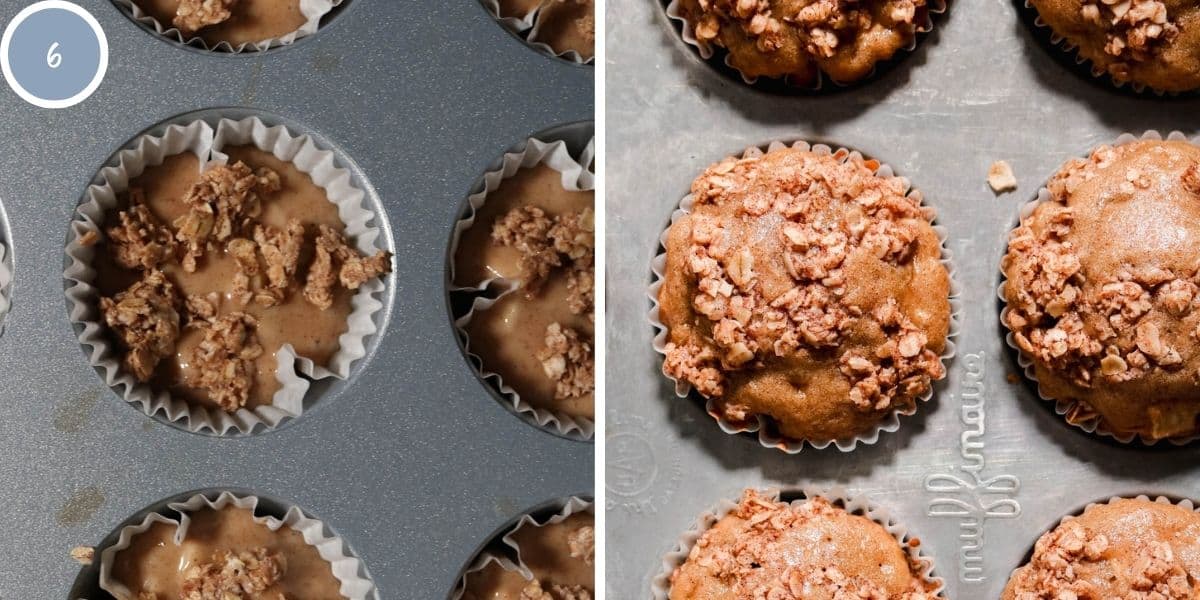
(413, 461)
(985, 467)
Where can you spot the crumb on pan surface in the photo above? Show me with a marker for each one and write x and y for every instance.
(1101, 288)
(765, 548)
(1129, 548)
(1000, 177)
(805, 288)
(798, 39)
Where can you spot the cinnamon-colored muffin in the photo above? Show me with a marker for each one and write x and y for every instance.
(804, 288)
(1149, 42)
(1101, 288)
(798, 39)
(765, 548)
(1124, 549)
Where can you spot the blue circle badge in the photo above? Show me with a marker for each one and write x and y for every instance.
(54, 54)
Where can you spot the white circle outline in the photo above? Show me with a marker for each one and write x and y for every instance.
(31, 10)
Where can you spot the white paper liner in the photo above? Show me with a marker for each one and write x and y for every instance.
(203, 140)
(688, 34)
(575, 177)
(5, 283)
(570, 506)
(1096, 424)
(1184, 504)
(660, 585)
(313, 11)
(346, 567)
(526, 27)
(1061, 43)
(891, 422)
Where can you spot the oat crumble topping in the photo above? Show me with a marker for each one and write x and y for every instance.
(567, 360)
(536, 591)
(826, 209)
(582, 544)
(1135, 29)
(545, 244)
(224, 360)
(751, 561)
(146, 321)
(221, 204)
(234, 576)
(194, 15)
(1000, 177)
(139, 241)
(335, 263)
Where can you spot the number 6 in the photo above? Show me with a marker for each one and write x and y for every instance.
(53, 58)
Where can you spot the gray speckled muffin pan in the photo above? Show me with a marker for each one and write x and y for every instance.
(412, 461)
(983, 468)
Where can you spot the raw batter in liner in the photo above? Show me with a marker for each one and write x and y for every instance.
(248, 21)
(155, 568)
(538, 338)
(561, 557)
(313, 332)
(568, 25)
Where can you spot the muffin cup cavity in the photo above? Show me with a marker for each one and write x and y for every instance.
(488, 555)
(575, 177)
(660, 585)
(1087, 420)
(347, 568)
(1063, 49)
(527, 28)
(294, 373)
(710, 52)
(313, 11)
(761, 424)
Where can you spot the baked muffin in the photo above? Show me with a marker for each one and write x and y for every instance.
(225, 553)
(202, 277)
(765, 548)
(561, 557)
(1101, 289)
(804, 288)
(535, 234)
(236, 22)
(1149, 42)
(1124, 549)
(799, 39)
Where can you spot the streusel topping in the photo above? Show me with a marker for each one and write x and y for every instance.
(194, 15)
(1102, 287)
(776, 38)
(234, 576)
(1129, 549)
(765, 548)
(804, 287)
(145, 318)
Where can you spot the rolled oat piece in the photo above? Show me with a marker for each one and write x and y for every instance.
(1101, 289)
(804, 288)
(1149, 42)
(765, 548)
(1127, 548)
(784, 38)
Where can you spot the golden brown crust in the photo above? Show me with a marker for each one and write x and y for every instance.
(1101, 288)
(1130, 549)
(805, 288)
(1151, 42)
(798, 38)
(770, 549)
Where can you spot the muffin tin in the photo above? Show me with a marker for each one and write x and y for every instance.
(412, 461)
(985, 467)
